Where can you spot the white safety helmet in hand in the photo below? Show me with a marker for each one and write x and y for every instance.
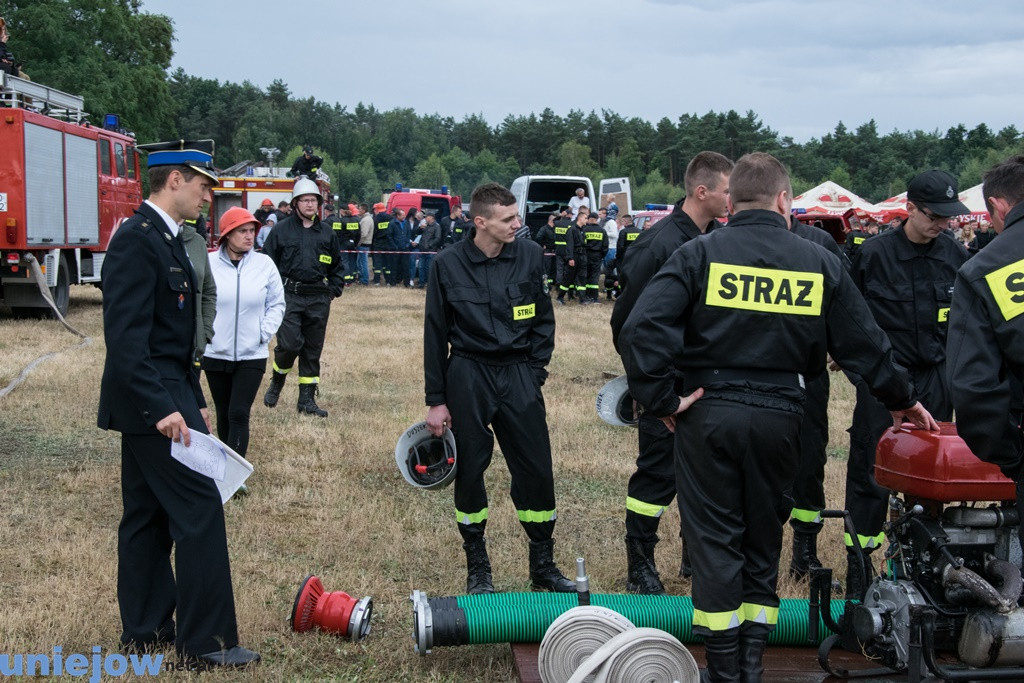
(426, 461)
(615, 403)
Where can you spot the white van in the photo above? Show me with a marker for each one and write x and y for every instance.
(541, 195)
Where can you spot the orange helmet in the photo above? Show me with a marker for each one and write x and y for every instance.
(234, 217)
(266, 202)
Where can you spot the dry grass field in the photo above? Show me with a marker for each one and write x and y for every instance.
(326, 497)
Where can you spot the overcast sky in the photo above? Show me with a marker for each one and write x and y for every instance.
(801, 66)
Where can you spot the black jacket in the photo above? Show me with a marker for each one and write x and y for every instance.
(626, 238)
(986, 348)
(432, 237)
(149, 299)
(307, 167)
(576, 236)
(753, 297)
(854, 240)
(7, 63)
(908, 288)
(565, 243)
(492, 308)
(649, 252)
(380, 230)
(350, 232)
(311, 256)
(596, 241)
(546, 238)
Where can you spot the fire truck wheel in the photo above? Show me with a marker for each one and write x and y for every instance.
(62, 292)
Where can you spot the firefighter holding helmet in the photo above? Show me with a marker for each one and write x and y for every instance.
(308, 256)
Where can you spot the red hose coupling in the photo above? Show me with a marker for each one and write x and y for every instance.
(334, 612)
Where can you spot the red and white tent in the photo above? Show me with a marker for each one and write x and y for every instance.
(833, 199)
(971, 197)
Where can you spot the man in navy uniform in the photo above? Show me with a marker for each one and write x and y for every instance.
(150, 394)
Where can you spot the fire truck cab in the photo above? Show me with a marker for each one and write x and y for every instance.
(65, 186)
(437, 202)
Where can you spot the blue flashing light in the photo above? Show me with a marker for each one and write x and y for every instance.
(657, 207)
(444, 189)
(799, 210)
(398, 187)
(111, 122)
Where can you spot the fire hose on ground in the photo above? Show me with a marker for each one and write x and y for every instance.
(524, 617)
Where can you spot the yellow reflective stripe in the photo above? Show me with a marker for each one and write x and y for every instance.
(809, 516)
(768, 290)
(759, 614)
(593, 287)
(866, 542)
(717, 621)
(944, 315)
(470, 518)
(595, 235)
(309, 380)
(645, 509)
(537, 516)
(325, 258)
(281, 371)
(524, 312)
(1007, 287)
(559, 244)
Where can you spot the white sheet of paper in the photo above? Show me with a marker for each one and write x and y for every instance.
(211, 457)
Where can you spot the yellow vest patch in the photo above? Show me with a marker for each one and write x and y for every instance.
(598, 236)
(944, 315)
(859, 240)
(630, 236)
(324, 258)
(383, 226)
(789, 292)
(336, 225)
(1007, 287)
(524, 312)
(561, 231)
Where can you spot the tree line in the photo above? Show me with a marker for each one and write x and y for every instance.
(119, 58)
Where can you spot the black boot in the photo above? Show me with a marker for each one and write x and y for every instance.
(722, 653)
(751, 656)
(805, 554)
(685, 569)
(274, 390)
(858, 573)
(307, 401)
(478, 567)
(544, 575)
(642, 574)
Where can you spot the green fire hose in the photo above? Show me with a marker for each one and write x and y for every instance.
(524, 617)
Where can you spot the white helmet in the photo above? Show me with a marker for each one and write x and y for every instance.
(426, 461)
(615, 404)
(304, 186)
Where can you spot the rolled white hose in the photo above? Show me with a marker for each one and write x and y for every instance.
(573, 637)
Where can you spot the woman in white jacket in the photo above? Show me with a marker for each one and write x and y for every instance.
(249, 311)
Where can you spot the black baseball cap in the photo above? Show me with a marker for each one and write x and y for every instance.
(937, 191)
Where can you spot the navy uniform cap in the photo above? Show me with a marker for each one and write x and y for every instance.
(196, 154)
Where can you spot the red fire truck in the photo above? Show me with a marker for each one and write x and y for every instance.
(247, 184)
(65, 186)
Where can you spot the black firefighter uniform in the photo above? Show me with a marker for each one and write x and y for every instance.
(746, 313)
(496, 315)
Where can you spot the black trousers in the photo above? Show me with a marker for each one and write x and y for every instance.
(302, 334)
(565, 276)
(809, 484)
(653, 485)
(507, 399)
(233, 387)
(549, 268)
(593, 275)
(739, 461)
(868, 502)
(165, 504)
(380, 266)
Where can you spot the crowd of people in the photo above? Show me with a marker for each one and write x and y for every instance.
(730, 376)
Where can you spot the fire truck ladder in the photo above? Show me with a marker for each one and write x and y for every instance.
(18, 92)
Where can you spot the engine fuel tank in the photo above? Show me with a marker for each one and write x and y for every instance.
(937, 466)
